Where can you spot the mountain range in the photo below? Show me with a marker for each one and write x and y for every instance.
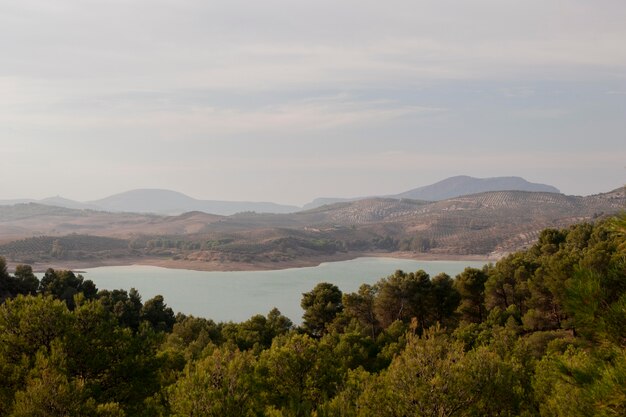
(452, 187)
(159, 201)
(487, 224)
(169, 202)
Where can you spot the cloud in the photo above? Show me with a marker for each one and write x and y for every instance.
(402, 161)
(278, 44)
(312, 114)
(350, 86)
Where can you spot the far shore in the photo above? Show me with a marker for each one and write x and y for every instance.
(77, 266)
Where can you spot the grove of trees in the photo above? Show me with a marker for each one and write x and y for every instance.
(540, 333)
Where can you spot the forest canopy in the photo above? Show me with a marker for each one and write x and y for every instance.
(541, 332)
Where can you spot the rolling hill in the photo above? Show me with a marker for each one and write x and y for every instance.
(464, 185)
(172, 202)
(453, 187)
(167, 202)
(164, 202)
(483, 224)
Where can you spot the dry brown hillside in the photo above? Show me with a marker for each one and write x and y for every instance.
(481, 224)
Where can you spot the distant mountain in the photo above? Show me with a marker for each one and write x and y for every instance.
(169, 202)
(158, 202)
(67, 203)
(452, 187)
(323, 201)
(490, 223)
(17, 201)
(172, 203)
(463, 185)
(56, 201)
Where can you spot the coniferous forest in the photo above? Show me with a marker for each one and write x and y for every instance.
(540, 333)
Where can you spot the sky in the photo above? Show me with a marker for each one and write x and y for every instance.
(290, 100)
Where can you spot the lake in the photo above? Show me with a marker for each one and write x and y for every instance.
(238, 295)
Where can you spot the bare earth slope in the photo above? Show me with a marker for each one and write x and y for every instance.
(485, 224)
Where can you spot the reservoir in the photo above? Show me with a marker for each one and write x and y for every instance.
(238, 295)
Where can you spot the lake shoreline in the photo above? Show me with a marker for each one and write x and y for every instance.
(175, 264)
(238, 295)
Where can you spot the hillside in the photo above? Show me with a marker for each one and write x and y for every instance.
(25, 220)
(168, 202)
(485, 224)
(154, 201)
(465, 185)
(450, 188)
(172, 202)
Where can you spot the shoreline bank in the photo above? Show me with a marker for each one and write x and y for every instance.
(78, 266)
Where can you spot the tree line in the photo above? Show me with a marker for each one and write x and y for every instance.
(541, 332)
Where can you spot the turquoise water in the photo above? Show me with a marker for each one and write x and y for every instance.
(236, 296)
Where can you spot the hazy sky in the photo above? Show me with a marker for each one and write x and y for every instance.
(290, 100)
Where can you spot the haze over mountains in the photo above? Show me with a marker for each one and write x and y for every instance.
(172, 202)
(160, 202)
(486, 224)
(169, 202)
(452, 187)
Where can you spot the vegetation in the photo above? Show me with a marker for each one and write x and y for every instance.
(480, 224)
(542, 332)
(74, 246)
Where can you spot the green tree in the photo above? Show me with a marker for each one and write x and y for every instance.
(158, 314)
(618, 226)
(221, 385)
(86, 353)
(297, 374)
(360, 305)
(445, 299)
(470, 285)
(277, 323)
(125, 306)
(191, 336)
(344, 404)
(258, 331)
(352, 348)
(507, 283)
(5, 280)
(116, 364)
(581, 383)
(27, 324)
(64, 285)
(26, 281)
(403, 296)
(596, 309)
(321, 306)
(50, 393)
(434, 376)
